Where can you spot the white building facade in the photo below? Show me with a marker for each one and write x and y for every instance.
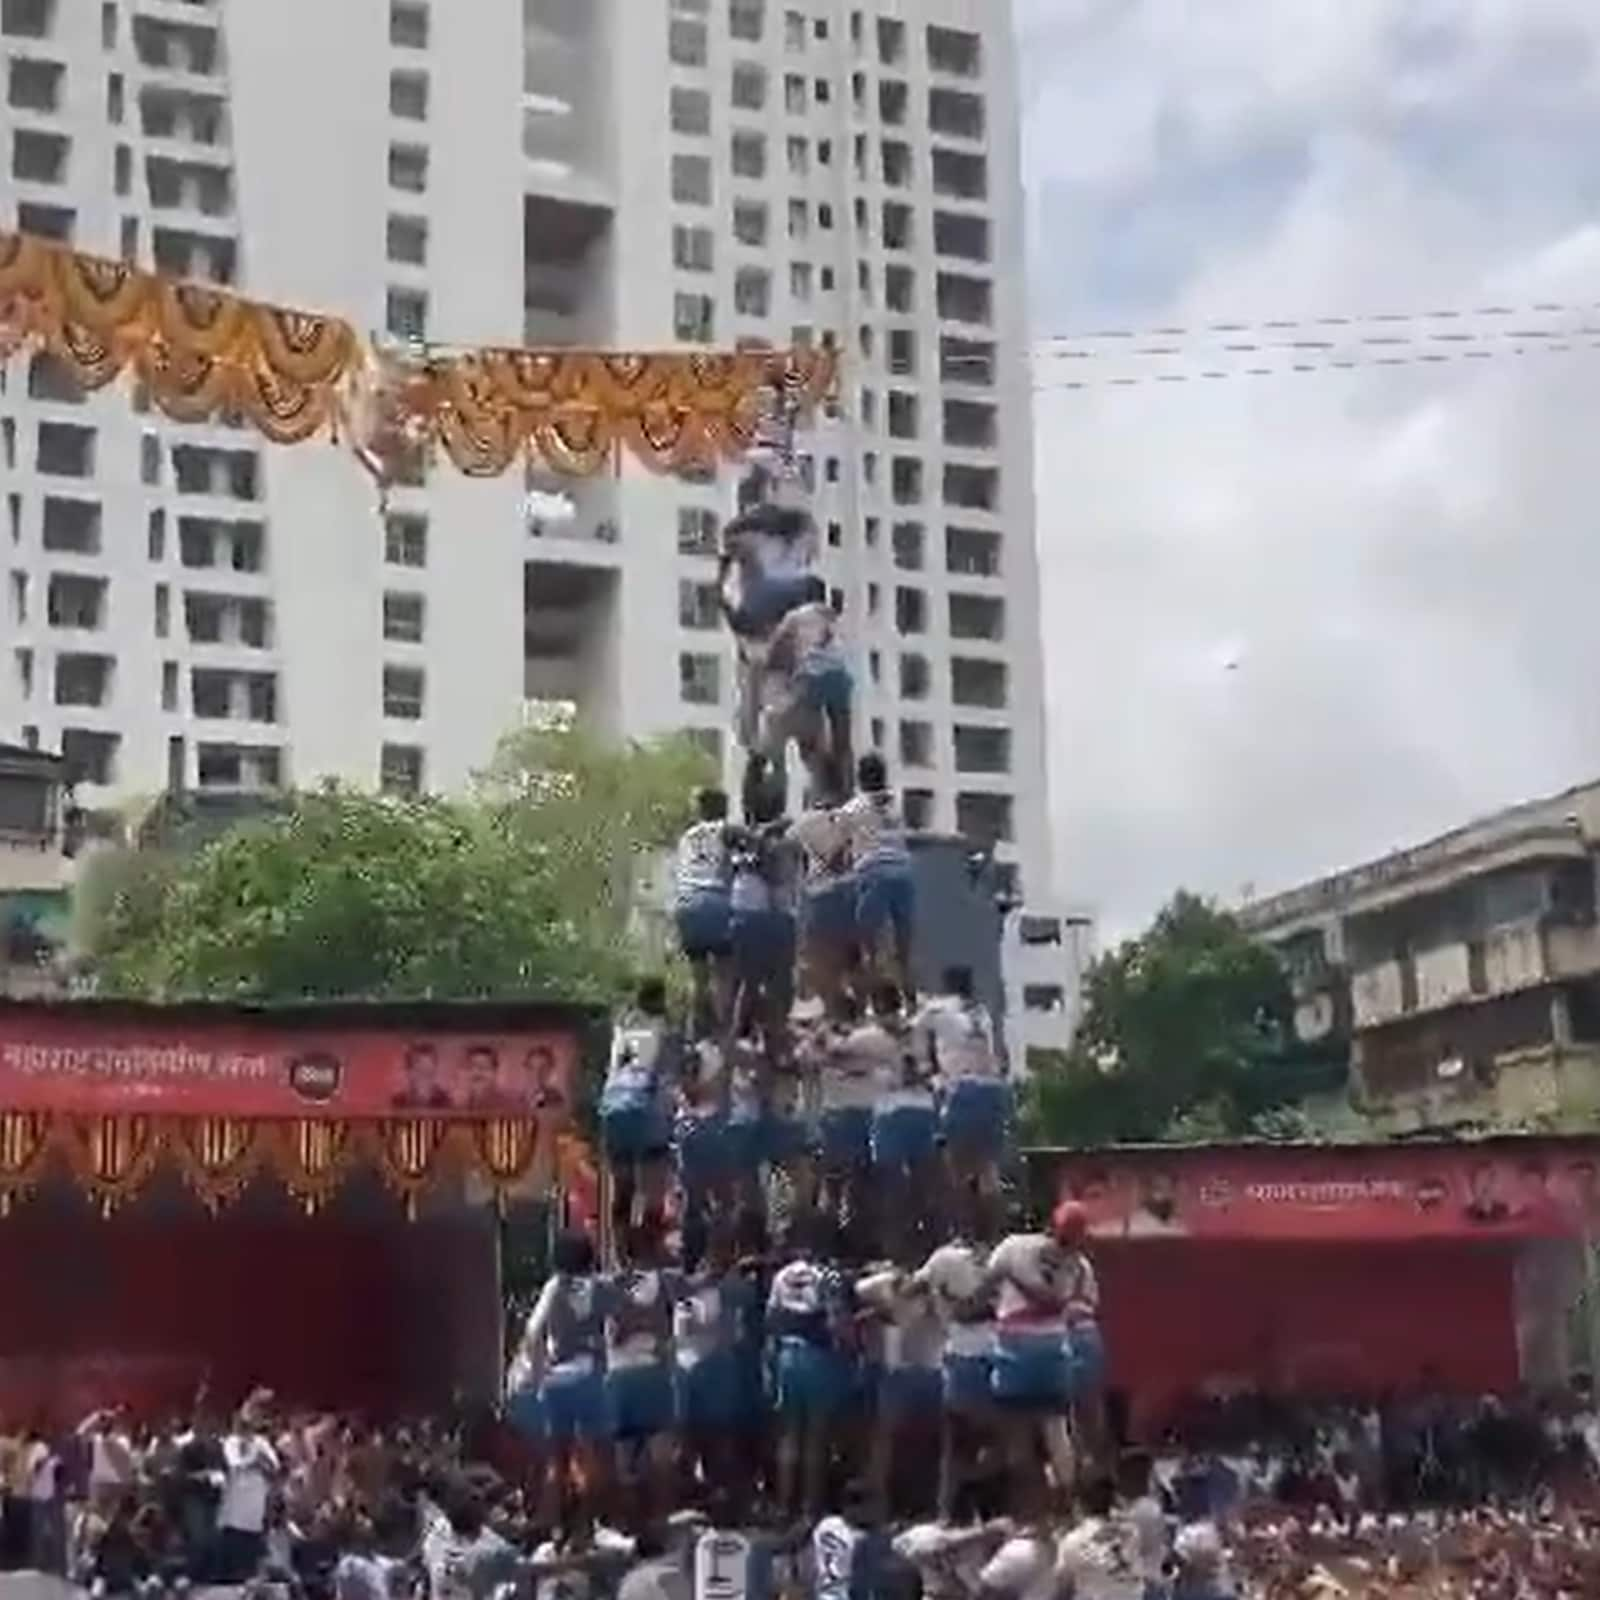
(190, 606)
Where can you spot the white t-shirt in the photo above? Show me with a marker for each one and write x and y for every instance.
(251, 1463)
(956, 1276)
(42, 1466)
(111, 1460)
(703, 865)
(835, 1545)
(876, 831)
(1024, 1567)
(957, 1036)
(1097, 1557)
(912, 1336)
(851, 1073)
(823, 846)
(949, 1561)
(1064, 1282)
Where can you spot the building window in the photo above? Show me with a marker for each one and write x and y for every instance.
(986, 818)
(915, 679)
(699, 678)
(799, 153)
(699, 531)
(905, 415)
(65, 451)
(408, 95)
(400, 769)
(917, 807)
(403, 693)
(977, 616)
(964, 299)
(691, 180)
(408, 25)
(906, 481)
(34, 85)
(692, 249)
(156, 534)
(39, 157)
(967, 361)
(405, 539)
(686, 42)
(71, 526)
(983, 751)
(799, 219)
(82, 680)
(46, 222)
(408, 168)
(909, 539)
(749, 92)
(1044, 997)
(406, 313)
(796, 95)
(752, 292)
(794, 31)
(91, 756)
(699, 605)
(916, 744)
(747, 19)
(750, 222)
(402, 618)
(749, 155)
(956, 52)
(75, 601)
(691, 111)
(694, 318)
(408, 240)
(978, 683)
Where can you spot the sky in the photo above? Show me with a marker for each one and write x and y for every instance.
(1299, 620)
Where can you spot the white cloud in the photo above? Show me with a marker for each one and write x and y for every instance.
(1311, 616)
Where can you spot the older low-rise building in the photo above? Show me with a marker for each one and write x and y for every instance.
(1463, 973)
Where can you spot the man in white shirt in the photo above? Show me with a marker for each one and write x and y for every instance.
(857, 1065)
(956, 1278)
(47, 1528)
(909, 1387)
(251, 1467)
(828, 892)
(809, 687)
(953, 1034)
(886, 895)
(905, 1128)
(111, 1463)
(702, 886)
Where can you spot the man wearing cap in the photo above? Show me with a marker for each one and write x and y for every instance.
(1047, 1338)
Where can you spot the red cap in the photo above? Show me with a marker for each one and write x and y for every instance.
(1069, 1222)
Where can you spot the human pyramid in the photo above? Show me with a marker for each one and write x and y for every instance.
(807, 1282)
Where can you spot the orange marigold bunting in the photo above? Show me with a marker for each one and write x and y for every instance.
(198, 352)
(201, 353)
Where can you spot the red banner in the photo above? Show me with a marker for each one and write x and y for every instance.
(1531, 1188)
(185, 1063)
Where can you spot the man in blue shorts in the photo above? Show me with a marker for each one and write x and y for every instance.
(886, 892)
(953, 1035)
(702, 884)
(639, 1390)
(635, 1105)
(905, 1128)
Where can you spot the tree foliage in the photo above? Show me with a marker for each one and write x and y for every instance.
(1186, 1034)
(522, 889)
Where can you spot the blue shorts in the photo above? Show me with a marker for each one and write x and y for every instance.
(639, 1400)
(845, 1136)
(968, 1381)
(975, 1115)
(633, 1133)
(704, 925)
(786, 1139)
(910, 1391)
(886, 896)
(827, 689)
(808, 1380)
(745, 1144)
(525, 1413)
(1032, 1369)
(904, 1136)
(717, 1393)
(703, 1149)
(830, 914)
(767, 601)
(1086, 1352)
(574, 1405)
(763, 944)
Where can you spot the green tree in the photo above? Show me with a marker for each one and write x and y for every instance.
(522, 889)
(1186, 1033)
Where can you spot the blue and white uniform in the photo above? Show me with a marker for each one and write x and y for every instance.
(638, 1351)
(908, 1377)
(763, 924)
(886, 895)
(810, 1374)
(1047, 1340)
(718, 1377)
(820, 680)
(905, 1120)
(955, 1037)
(702, 885)
(828, 901)
(847, 1560)
(701, 1132)
(774, 551)
(634, 1102)
(957, 1278)
(855, 1069)
(564, 1343)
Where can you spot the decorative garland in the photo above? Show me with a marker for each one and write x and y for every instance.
(112, 1158)
(202, 354)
